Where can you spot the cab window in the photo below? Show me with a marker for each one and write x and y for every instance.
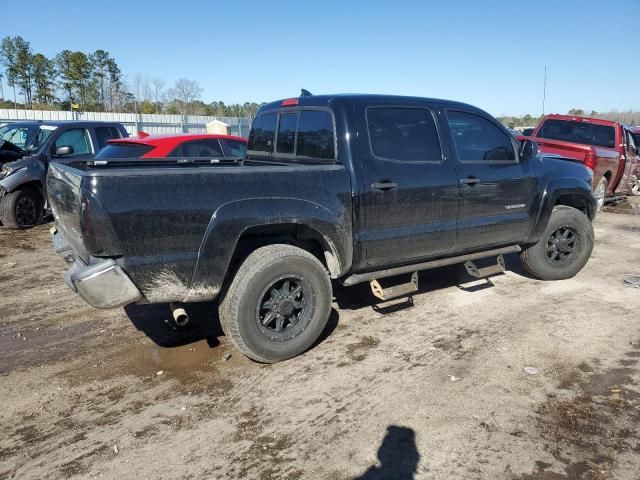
(77, 138)
(476, 139)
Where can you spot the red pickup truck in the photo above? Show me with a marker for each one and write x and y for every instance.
(607, 148)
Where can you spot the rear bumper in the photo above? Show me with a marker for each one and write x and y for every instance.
(103, 284)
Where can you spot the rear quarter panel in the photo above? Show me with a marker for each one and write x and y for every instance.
(178, 227)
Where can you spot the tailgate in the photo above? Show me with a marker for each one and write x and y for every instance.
(64, 195)
(573, 151)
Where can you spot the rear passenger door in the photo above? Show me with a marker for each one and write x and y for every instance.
(409, 203)
(497, 191)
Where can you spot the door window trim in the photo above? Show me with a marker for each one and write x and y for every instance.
(408, 107)
(516, 151)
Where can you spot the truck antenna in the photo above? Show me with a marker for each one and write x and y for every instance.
(305, 93)
(544, 89)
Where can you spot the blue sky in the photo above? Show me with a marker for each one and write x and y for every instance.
(488, 53)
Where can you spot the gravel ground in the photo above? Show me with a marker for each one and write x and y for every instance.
(510, 378)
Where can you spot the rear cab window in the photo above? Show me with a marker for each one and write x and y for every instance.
(573, 131)
(123, 150)
(303, 134)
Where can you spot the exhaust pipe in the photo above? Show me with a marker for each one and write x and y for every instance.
(179, 314)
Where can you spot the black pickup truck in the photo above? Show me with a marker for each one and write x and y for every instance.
(355, 188)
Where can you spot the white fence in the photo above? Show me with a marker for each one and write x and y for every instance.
(150, 123)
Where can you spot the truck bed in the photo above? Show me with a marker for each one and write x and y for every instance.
(172, 226)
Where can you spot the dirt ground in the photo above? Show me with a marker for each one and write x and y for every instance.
(434, 388)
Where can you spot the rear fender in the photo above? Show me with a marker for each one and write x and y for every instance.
(229, 221)
(574, 192)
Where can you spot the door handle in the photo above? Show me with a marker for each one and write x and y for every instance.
(383, 185)
(470, 181)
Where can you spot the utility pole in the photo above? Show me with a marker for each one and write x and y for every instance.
(544, 89)
(1, 88)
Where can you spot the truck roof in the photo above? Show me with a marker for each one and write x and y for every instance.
(328, 100)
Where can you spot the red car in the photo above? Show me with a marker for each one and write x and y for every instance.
(176, 145)
(607, 148)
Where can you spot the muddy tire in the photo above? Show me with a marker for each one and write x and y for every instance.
(21, 209)
(278, 303)
(600, 193)
(563, 249)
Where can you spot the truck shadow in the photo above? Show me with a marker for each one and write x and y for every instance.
(155, 321)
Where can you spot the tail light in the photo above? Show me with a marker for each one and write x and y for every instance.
(98, 235)
(590, 161)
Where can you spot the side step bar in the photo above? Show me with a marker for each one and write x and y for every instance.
(475, 271)
(401, 290)
(392, 272)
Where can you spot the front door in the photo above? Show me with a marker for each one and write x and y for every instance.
(409, 199)
(497, 191)
(631, 164)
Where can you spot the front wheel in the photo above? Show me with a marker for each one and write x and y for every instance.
(278, 303)
(21, 209)
(563, 249)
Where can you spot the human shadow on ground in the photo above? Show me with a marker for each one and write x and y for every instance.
(398, 456)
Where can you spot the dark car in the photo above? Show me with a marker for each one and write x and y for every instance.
(356, 188)
(26, 150)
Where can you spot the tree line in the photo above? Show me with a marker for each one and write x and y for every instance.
(94, 82)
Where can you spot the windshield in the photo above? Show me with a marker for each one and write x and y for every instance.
(28, 137)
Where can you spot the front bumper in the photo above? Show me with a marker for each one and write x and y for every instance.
(103, 284)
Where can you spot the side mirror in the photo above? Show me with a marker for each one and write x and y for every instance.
(528, 149)
(64, 150)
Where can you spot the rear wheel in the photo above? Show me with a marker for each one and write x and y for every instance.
(21, 209)
(277, 304)
(600, 192)
(563, 249)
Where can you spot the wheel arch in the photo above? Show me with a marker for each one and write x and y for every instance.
(237, 228)
(569, 192)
